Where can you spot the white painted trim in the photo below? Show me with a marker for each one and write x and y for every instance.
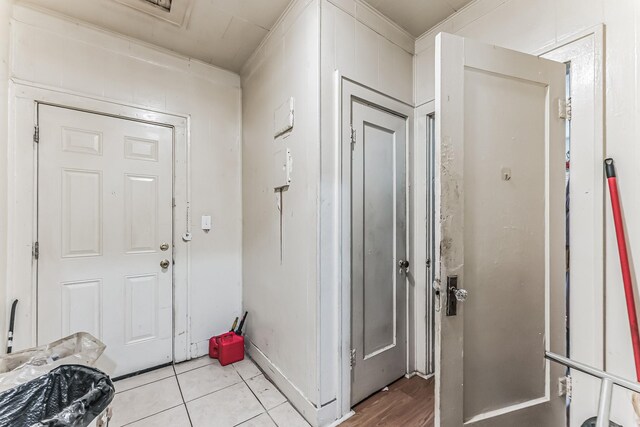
(345, 89)
(280, 27)
(394, 33)
(460, 19)
(425, 377)
(421, 239)
(313, 414)
(508, 409)
(587, 222)
(341, 420)
(22, 197)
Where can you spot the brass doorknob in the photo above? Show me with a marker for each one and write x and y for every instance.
(164, 263)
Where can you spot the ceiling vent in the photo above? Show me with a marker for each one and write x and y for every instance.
(165, 4)
(173, 11)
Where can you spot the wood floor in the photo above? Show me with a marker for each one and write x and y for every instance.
(408, 403)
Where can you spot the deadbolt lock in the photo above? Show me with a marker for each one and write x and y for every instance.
(164, 263)
(164, 246)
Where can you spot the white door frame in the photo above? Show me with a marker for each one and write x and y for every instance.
(587, 216)
(347, 88)
(22, 197)
(423, 318)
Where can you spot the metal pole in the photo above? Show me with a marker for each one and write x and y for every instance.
(604, 405)
(594, 372)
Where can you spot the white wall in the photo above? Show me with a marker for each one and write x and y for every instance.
(5, 14)
(69, 56)
(367, 48)
(280, 292)
(293, 303)
(529, 26)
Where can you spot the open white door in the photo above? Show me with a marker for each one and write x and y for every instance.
(500, 185)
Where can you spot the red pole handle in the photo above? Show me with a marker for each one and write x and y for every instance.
(624, 262)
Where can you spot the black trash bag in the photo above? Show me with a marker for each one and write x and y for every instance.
(591, 422)
(67, 396)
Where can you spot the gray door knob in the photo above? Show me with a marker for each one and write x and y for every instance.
(404, 266)
(164, 263)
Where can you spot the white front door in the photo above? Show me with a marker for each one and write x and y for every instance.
(500, 185)
(379, 248)
(105, 235)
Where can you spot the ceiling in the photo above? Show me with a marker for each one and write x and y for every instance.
(220, 32)
(417, 16)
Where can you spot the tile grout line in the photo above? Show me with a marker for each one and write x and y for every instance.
(256, 396)
(182, 395)
(184, 402)
(152, 415)
(175, 374)
(142, 385)
(246, 421)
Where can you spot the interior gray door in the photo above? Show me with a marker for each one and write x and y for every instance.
(378, 180)
(500, 176)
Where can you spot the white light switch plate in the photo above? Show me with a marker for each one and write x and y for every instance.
(206, 222)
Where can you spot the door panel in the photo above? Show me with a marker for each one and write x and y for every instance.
(81, 308)
(141, 219)
(378, 243)
(81, 213)
(104, 209)
(500, 174)
(510, 221)
(378, 266)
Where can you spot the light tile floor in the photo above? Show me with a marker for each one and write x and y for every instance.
(201, 393)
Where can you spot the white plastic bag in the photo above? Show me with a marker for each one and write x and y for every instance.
(78, 349)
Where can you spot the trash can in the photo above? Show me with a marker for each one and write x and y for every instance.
(55, 384)
(67, 396)
(78, 349)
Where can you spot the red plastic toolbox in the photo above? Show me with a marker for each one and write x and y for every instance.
(227, 348)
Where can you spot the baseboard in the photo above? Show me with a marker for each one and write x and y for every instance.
(341, 420)
(419, 374)
(308, 410)
(425, 376)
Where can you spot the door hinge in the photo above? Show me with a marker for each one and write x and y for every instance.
(36, 134)
(352, 357)
(36, 250)
(565, 386)
(353, 137)
(564, 109)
